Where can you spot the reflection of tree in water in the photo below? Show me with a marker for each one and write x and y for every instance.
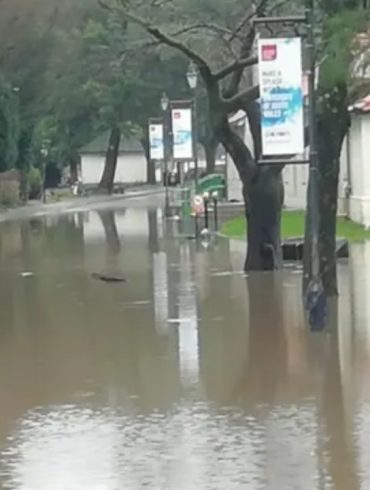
(269, 380)
(110, 229)
(153, 230)
(267, 343)
(339, 445)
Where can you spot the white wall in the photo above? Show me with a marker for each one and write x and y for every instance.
(296, 177)
(131, 168)
(360, 169)
(234, 186)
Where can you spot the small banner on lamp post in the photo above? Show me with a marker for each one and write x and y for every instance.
(156, 141)
(182, 133)
(282, 100)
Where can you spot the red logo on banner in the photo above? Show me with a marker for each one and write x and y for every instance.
(269, 52)
(177, 115)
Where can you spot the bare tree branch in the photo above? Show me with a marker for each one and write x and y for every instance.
(257, 10)
(245, 52)
(196, 27)
(167, 39)
(240, 100)
(221, 32)
(237, 65)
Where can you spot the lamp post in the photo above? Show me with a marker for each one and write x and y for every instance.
(165, 103)
(192, 77)
(215, 208)
(315, 296)
(44, 153)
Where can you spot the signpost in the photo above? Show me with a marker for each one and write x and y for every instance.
(156, 140)
(282, 100)
(182, 131)
(282, 107)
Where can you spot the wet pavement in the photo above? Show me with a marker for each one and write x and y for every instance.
(187, 376)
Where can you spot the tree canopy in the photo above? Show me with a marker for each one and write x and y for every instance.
(9, 127)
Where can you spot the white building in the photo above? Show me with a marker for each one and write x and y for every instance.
(131, 164)
(354, 171)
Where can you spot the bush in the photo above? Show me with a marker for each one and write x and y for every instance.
(9, 193)
(34, 183)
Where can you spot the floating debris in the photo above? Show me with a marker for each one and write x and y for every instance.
(107, 278)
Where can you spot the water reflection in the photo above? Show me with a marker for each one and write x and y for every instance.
(108, 220)
(188, 376)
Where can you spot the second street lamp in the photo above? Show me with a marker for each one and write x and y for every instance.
(192, 78)
(165, 103)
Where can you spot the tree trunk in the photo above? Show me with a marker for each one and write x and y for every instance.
(150, 171)
(107, 182)
(263, 202)
(150, 164)
(73, 169)
(263, 193)
(332, 126)
(210, 148)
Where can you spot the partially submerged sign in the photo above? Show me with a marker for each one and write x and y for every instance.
(282, 101)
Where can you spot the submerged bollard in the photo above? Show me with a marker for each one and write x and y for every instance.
(215, 209)
(206, 210)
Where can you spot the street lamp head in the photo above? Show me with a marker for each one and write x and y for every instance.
(192, 76)
(165, 102)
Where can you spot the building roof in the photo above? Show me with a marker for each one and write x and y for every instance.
(129, 144)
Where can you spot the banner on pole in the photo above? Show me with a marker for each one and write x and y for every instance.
(182, 133)
(156, 142)
(282, 101)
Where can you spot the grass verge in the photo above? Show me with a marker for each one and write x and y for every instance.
(292, 225)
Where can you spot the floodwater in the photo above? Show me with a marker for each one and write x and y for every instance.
(186, 376)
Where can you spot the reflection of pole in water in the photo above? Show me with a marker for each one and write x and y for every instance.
(153, 230)
(188, 320)
(341, 461)
(110, 228)
(160, 289)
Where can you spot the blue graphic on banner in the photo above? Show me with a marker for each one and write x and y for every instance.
(281, 105)
(182, 137)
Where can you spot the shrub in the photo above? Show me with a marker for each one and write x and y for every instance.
(34, 183)
(9, 193)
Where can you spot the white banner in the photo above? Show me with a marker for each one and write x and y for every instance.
(281, 88)
(182, 134)
(156, 141)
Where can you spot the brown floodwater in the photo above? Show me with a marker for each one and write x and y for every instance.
(187, 376)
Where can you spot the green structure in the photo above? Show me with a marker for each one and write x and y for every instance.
(212, 183)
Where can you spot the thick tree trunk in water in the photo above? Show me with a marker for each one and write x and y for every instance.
(263, 193)
(107, 181)
(210, 148)
(332, 127)
(263, 200)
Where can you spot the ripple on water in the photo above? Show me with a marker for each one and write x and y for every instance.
(68, 448)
